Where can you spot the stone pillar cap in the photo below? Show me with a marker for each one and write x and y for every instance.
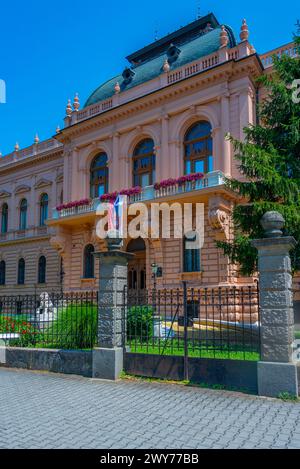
(288, 242)
(272, 223)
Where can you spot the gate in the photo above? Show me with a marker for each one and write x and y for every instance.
(207, 335)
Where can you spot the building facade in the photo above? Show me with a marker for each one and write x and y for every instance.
(164, 118)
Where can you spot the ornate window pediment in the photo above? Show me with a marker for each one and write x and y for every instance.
(4, 194)
(22, 188)
(42, 183)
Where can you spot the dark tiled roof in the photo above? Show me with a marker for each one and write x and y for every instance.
(191, 50)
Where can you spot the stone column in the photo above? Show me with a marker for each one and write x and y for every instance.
(164, 156)
(108, 357)
(225, 128)
(277, 372)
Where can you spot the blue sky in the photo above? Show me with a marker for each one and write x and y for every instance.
(52, 49)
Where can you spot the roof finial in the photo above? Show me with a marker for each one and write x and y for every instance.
(69, 108)
(117, 88)
(76, 103)
(17, 147)
(36, 138)
(244, 35)
(224, 39)
(166, 66)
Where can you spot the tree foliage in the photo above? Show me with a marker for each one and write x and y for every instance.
(269, 161)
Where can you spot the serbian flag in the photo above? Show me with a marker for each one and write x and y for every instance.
(116, 213)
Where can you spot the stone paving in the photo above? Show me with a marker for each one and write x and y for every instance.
(40, 410)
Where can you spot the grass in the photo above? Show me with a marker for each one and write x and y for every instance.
(177, 349)
(287, 397)
(215, 387)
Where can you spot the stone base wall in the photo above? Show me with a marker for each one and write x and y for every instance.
(56, 361)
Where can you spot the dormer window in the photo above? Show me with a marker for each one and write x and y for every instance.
(173, 53)
(128, 75)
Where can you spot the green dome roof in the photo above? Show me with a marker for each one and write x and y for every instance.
(191, 50)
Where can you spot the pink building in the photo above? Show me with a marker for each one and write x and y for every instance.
(166, 115)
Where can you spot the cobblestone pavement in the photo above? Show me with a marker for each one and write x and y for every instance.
(40, 410)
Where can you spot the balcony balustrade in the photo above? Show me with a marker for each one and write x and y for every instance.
(31, 232)
(213, 179)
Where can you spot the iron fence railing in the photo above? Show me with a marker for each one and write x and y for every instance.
(60, 321)
(205, 323)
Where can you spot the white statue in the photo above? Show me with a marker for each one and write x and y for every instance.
(46, 312)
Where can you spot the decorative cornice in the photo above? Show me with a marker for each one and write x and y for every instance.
(49, 156)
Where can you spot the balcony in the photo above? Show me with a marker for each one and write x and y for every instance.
(210, 180)
(18, 235)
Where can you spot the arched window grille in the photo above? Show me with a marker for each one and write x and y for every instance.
(21, 272)
(4, 218)
(144, 163)
(44, 202)
(23, 214)
(2, 272)
(88, 261)
(99, 176)
(198, 149)
(42, 270)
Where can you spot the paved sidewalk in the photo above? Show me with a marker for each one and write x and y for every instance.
(52, 411)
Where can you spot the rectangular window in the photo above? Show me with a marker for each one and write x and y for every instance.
(191, 257)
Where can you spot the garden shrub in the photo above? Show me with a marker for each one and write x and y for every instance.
(140, 323)
(74, 328)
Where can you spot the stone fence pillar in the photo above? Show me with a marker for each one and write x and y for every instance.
(108, 357)
(277, 373)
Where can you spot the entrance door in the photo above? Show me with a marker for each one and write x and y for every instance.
(137, 266)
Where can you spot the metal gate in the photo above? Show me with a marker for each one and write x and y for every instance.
(181, 326)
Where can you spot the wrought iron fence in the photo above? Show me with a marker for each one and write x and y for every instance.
(63, 321)
(206, 323)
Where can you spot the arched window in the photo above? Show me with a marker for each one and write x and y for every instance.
(144, 163)
(198, 149)
(42, 270)
(4, 218)
(191, 253)
(2, 272)
(99, 176)
(23, 214)
(88, 261)
(44, 209)
(21, 272)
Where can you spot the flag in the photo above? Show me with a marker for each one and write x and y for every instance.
(116, 212)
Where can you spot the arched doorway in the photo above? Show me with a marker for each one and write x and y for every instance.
(137, 267)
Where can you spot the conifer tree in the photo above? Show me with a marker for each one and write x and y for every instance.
(269, 161)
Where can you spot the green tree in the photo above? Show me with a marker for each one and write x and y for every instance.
(269, 160)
